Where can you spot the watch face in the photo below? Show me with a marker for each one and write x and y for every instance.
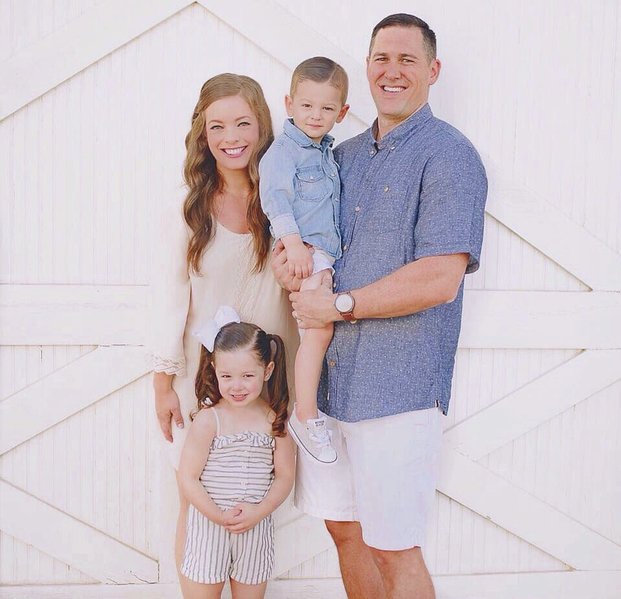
(344, 303)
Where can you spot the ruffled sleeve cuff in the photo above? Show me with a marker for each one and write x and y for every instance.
(168, 366)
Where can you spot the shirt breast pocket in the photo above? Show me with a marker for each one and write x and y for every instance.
(311, 183)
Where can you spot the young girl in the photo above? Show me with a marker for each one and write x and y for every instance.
(237, 464)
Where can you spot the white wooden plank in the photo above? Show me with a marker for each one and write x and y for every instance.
(59, 56)
(102, 315)
(566, 242)
(70, 540)
(534, 403)
(524, 585)
(290, 552)
(541, 319)
(525, 515)
(67, 391)
(68, 314)
(294, 42)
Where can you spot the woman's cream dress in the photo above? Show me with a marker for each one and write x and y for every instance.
(182, 301)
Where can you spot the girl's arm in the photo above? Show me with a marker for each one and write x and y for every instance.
(284, 474)
(193, 458)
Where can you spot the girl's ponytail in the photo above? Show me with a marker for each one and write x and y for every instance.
(206, 383)
(277, 385)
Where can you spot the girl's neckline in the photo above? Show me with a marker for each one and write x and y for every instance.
(227, 230)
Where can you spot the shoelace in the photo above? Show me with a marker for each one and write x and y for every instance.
(322, 439)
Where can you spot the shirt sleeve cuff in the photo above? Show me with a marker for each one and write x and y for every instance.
(284, 225)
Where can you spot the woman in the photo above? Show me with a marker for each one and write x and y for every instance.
(216, 251)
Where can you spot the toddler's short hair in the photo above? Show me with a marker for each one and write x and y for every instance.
(321, 69)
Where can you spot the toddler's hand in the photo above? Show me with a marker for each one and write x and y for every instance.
(300, 261)
(248, 516)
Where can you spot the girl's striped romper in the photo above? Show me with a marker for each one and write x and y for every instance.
(240, 468)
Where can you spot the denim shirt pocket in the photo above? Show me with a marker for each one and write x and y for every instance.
(311, 183)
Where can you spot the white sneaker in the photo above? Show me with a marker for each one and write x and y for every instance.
(314, 439)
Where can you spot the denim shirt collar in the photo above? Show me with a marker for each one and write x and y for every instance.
(403, 129)
(299, 137)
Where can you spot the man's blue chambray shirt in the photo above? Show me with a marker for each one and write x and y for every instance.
(300, 188)
(420, 191)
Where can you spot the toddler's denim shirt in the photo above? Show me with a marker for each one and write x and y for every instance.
(300, 189)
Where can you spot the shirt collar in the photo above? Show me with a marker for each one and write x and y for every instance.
(299, 137)
(394, 136)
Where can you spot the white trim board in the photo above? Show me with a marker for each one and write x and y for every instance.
(519, 585)
(534, 403)
(71, 541)
(68, 390)
(48, 62)
(117, 314)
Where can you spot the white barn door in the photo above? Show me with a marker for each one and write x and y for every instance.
(95, 99)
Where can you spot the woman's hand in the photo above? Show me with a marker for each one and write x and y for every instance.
(244, 516)
(167, 405)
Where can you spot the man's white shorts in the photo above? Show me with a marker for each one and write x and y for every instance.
(384, 478)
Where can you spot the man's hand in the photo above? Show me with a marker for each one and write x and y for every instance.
(280, 268)
(244, 516)
(314, 309)
(168, 409)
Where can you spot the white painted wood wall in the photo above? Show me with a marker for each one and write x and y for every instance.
(95, 99)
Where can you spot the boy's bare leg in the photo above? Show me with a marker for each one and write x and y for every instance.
(309, 359)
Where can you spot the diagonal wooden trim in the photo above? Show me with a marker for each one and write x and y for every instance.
(288, 555)
(54, 59)
(517, 585)
(554, 234)
(294, 42)
(71, 541)
(524, 515)
(68, 390)
(105, 315)
(534, 403)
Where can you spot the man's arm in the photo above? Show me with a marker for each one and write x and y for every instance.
(415, 287)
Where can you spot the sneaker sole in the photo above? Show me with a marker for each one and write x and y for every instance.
(303, 447)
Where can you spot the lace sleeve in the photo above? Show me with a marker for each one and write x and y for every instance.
(169, 293)
(168, 366)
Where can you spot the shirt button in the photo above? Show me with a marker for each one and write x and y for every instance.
(333, 284)
(357, 209)
(372, 153)
(311, 177)
(331, 363)
(386, 189)
(392, 147)
(345, 248)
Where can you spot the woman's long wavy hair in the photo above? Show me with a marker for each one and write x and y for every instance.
(267, 348)
(201, 174)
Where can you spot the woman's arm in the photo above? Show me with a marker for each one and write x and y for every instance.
(284, 474)
(193, 458)
(170, 298)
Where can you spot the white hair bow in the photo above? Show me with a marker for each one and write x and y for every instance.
(208, 332)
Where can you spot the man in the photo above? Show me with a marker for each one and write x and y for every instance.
(412, 203)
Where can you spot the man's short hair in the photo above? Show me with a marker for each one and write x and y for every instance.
(405, 20)
(321, 69)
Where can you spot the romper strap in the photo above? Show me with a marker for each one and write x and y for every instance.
(215, 414)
